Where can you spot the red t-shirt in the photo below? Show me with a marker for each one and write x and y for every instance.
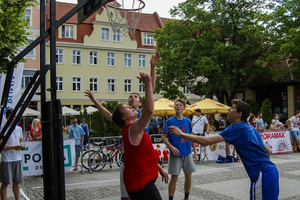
(165, 154)
(140, 162)
(158, 154)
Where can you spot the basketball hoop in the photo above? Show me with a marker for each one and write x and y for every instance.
(123, 19)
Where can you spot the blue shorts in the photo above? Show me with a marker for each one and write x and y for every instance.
(267, 185)
(77, 150)
(294, 134)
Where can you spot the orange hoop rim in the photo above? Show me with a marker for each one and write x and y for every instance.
(126, 9)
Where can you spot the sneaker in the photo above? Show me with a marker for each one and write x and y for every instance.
(220, 159)
(75, 168)
(229, 159)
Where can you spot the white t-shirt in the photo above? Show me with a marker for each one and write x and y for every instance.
(294, 123)
(14, 139)
(199, 126)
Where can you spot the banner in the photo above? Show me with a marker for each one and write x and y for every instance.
(14, 91)
(33, 159)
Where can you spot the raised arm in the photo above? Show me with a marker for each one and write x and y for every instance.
(101, 109)
(139, 125)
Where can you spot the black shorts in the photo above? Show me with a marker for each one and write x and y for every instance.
(150, 192)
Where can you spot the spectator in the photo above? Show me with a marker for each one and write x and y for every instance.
(180, 149)
(222, 123)
(76, 132)
(292, 124)
(11, 161)
(211, 122)
(85, 128)
(260, 122)
(276, 122)
(200, 123)
(35, 130)
(252, 121)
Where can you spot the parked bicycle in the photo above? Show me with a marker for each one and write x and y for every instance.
(97, 159)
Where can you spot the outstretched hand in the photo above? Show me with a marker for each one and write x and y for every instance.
(89, 94)
(154, 59)
(144, 77)
(175, 130)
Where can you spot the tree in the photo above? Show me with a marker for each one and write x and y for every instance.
(213, 50)
(267, 111)
(13, 29)
(253, 105)
(283, 35)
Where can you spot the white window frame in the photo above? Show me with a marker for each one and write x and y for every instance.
(102, 34)
(141, 87)
(109, 85)
(31, 54)
(148, 39)
(141, 60)
(62, 54)
(127, 60)
(127, 85)
(60, 82)
(23, 83)
(76, 82)
(68, 30)
(109, 57)
(116, 36)
(29, 23)
(80, 56)
(93, 84)
(93, 57)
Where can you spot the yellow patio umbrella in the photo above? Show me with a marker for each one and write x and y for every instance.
(165, 107)
(209, 106)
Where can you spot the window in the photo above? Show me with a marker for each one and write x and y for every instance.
(127, 60)
(26, 78)
(110, 59)
(28, 16)
(111, 85)
(117, 36)
(141, 86)
(104, 33)
(93, 58)
(59, 55)
(148, 39)
(185, 90)
(31, 53)
(76, 57)
(76, 84)
(67, 31)
(142, 60)
(59, 83)
(94, 84)
(127, 85)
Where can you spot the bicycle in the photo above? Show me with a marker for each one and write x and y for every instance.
(114, 151)
(94, 159)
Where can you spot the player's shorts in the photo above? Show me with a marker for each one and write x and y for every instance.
(11, 172)
(267, 185)
(124, 193)
(185, 162)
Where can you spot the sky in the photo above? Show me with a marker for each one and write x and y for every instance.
(162, 7)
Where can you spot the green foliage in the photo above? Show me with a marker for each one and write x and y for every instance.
(13, 29)
(101, 126)
(212, 50)
(254, 106)
(84, 115)
(267, 111)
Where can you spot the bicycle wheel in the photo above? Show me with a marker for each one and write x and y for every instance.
(118, 158)
(85, 159)
(97, 160)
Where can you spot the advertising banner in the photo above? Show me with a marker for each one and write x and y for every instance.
(33, 160)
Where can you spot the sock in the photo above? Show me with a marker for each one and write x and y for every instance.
(170, 198)
(186, 195)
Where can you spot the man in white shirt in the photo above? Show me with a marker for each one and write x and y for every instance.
(292, 124)
(198, 123)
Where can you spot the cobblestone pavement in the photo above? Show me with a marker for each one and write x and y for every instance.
(286, 164)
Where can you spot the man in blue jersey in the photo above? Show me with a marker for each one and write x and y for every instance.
(254, 154)
(180, 150)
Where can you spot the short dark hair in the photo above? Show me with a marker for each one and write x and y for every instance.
(73, 118)
(258, 113)
(9, 112)
(243, 107)
(181, 101)
(198, 110)
(117, 116)
(297, 111)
